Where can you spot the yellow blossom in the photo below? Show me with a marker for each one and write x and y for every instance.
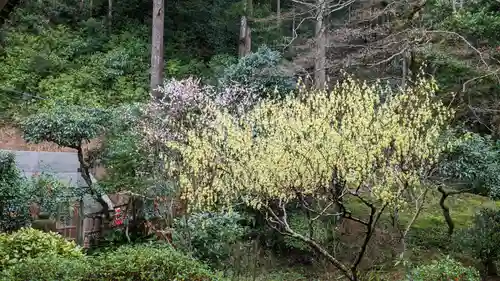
(281, 147)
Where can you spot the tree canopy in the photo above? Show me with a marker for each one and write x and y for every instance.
(365, 136)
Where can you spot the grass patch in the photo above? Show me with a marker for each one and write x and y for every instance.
(428, 237)
(427, 240)
(463, 208)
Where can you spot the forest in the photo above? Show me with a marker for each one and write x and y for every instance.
(294, 140)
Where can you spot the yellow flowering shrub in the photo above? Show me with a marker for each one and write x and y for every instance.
(377, 140)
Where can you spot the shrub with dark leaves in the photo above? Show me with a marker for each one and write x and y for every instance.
(260, 74)
(14, 195)
(149, 263)
(444, 269)
(482, 240)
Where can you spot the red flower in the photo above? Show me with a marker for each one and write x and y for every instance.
(117, 219)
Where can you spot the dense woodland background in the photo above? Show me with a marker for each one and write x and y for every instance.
(73, 72)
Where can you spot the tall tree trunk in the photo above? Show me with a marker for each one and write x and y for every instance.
(278, 15)
(490, 268)
(245, 42)
(320, 58)
(248, 40)
(404, 73)
(157, 47)
(250, 8)
(110, 13)
(3, 3)
(242, 39)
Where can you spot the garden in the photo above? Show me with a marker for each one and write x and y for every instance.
(246, 167)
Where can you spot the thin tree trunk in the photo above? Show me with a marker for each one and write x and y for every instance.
(278, 15)
(413, 66)
(245, 41)
(248, 40)
(320, 59)
(3, 3)
(395, 225)
(446, 211)
(419, 204)
(491, 268)
(250, 8)
(404, 70)
(242, 39)
(110, 13)
(157, 47)
(84, 172)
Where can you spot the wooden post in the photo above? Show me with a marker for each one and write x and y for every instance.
(80, 216)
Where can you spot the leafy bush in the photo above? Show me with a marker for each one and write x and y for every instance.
(482, 240)
(301, 223)
(474, 161)
(259, 72)
(445, 269)
(14, 195)
(17, 193)
(220, 62)
(478, 20)
(48, 267)
(209, 235)
(180, 69)
(137, 263)
(68, 126)
(50, 194)
(31, 243)
(149, 262)
(134, 263)
(127, 163)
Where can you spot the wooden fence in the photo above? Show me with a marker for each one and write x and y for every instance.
(87, 230)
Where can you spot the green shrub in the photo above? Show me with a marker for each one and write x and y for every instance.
(446, 269)
(210, 236)
(261, 73)
(14, 195)
(17, 193)
(149, 262)
(482, 239)
(31, 243)
(181, 69)
(220, 62)
(51, 267)
(132, 263)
